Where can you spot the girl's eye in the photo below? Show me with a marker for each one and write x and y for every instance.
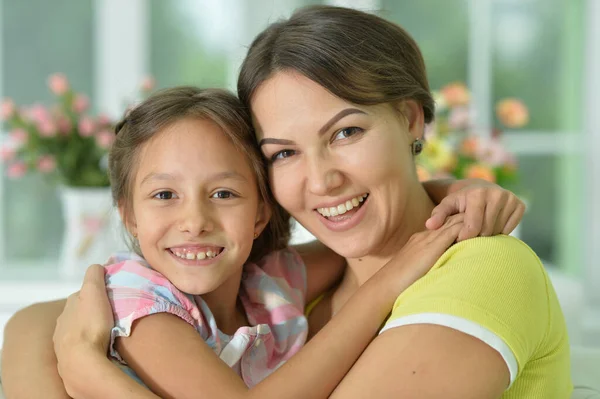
(347, 133)
(223, 194)
(164, 195)
(283, 154)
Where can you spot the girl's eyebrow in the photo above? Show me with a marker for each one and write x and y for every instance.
(217, 176)
(322, 130)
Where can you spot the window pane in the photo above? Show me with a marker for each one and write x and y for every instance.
(38, 40)
(441, 30)
(186, 47)
(537, 56)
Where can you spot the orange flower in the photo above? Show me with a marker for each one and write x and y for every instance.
(479, 171)
(469, 146)
(456, 94)
(422, 173)
(512, 113)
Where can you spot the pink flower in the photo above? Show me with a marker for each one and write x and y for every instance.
(58, 84)
(456, 94)
(47, 128)
(46, 164)
(64, 125)
(103, 120)
(7, 109)
(86, 127)
(19, 136)
(459, 118)
(38, 113)
(512, 113)
(16, 169)
(491, 152)
(7, 153)
(105, 138)
(148, 83)
(81, 103)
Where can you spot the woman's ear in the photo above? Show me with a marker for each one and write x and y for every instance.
(413, 113)
(263, 215)
(127, 218)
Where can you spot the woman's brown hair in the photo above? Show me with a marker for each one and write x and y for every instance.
(171, 105)
(357, 56)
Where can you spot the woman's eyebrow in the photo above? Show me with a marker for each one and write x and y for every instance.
(275, 141)
(338, 116)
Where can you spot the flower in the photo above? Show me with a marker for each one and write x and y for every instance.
(16, 169)
(512, 113)
(19, 136)
(58, 140)
(46, 164)
(58, 84)
(148, 84)
(86, 127)
(7, 108)
(105, 138)
(453, 149)
(455, 94)
(81, 103)
(480, 171)
(7, 153)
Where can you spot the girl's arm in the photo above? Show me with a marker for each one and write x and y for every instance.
(28, 359)
(489, 209)
(174, 361)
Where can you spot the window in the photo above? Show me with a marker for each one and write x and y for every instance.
(38, 40)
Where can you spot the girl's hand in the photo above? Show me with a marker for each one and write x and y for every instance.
(489, 210)
(419, 254)
(83, 329)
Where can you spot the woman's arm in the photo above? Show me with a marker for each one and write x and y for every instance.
(28, 359)
(175, 362)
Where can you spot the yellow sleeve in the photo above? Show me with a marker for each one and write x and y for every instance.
(496, 282)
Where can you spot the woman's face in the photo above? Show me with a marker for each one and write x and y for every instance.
(345, 172)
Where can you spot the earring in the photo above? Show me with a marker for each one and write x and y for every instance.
(134, 235)
(416, 146)
(255, 236)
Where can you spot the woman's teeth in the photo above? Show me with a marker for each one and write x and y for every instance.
(199, 255)
(343, 207)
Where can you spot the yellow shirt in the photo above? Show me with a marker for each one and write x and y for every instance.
(496, 289)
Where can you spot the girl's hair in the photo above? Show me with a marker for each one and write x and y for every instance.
(359, 57)
(171, 105)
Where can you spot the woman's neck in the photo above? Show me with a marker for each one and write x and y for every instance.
(416, 212)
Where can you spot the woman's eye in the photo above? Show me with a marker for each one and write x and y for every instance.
(223, 194)
(164, 195)
(283, 154)
(347, 132)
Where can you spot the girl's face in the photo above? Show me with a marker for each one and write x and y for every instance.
(344, 171)
(196, 206)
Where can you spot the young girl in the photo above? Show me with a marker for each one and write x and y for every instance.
(212, 260)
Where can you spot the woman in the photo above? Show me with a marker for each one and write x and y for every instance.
(339, 101)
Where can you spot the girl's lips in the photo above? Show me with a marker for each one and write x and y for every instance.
(206, 261)
(346, 221)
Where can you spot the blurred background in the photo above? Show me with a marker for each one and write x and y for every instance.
(545, 53)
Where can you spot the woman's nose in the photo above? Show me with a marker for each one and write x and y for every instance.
(196, 219)
(323, 177)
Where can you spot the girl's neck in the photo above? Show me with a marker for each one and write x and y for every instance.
(416, 212)
(225, 306)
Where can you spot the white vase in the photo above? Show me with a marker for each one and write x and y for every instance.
(92, 230)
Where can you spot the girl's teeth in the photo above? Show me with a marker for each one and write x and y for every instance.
(196, 255)
(342, 208)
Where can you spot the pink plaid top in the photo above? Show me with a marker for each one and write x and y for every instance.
(272, 292)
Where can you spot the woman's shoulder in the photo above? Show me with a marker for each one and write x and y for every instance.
(484, 257)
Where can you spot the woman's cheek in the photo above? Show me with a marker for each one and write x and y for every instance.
(285, 187)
